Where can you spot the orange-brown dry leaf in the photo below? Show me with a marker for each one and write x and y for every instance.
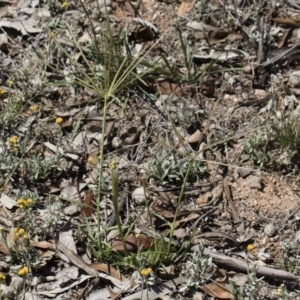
(169, 88)
(185, 7)
(87, 209)
(217, 290)
(160, 210)
(222, 36)
(43, 245)
(108, 270)
(292, 21)
(3, 248)
(131, 244)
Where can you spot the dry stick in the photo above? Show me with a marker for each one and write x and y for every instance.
(231, 205)
(261, 40)
(243, 266)
(280, 56)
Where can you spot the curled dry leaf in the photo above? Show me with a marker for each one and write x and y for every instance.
(203, 199)
(161, 210)
(185, 7)
(132, 243)
(196, 137)
(286, 20)
(217, 290)
(87, 209)
(108, 270)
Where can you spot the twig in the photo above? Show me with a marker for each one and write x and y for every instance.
(242, 266)
(231, 205)
(261, 40)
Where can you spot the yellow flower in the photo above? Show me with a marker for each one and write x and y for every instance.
(20, 201)
(146, 272)
(2, 277)
(91, 160)
(29, 201)
(280, 290)
(25, 237)
(1, 228)
(59, 120)
(2, 91)
(113, 164)
(10, 83)
(34, 108)
(137, 235)
(64, 5)
(250, 247)
(21, 231)
(23, 271)
(13, 140)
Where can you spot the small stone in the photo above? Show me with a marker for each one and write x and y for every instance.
(139, 195)
(255, 183)
(116, 142)
(270, 229)
(244, 172)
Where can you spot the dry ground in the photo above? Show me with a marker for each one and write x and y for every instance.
(200, 140)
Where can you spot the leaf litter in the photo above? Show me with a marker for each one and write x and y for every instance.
(202, 99)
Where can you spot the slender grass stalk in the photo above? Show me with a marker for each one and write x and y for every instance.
(115, 196)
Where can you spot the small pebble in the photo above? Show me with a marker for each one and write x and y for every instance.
(255, 183)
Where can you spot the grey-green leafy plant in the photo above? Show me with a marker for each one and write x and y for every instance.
(291, 256)
(166, 169)
(196, 269)
(250, 290)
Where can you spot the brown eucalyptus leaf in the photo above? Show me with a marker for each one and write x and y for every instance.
(287, 20)
(108, 270)
(161, 210)
(185, 7)
(217, 290)
(87, 209)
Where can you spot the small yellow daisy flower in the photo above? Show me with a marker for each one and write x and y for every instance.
(2, 91)
(280, 290)
(25, 237)
(113, 164)
(64, 5)
(29, 201)
(34, 108)
(146, 272)
(21, 231)
(2, 277)
(10, 83)
(250, 247)
(91, 160)
(23, 271)
(20, 201)
(59, 120)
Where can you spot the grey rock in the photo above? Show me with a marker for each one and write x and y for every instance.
(255, 183)
(270, 229)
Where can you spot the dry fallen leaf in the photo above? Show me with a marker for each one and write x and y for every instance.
(217, 290)
(203, 199)
(87, 209)
(286, 20)
(133, 243)
(108, 270)
(163, 211)
(185, 7)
